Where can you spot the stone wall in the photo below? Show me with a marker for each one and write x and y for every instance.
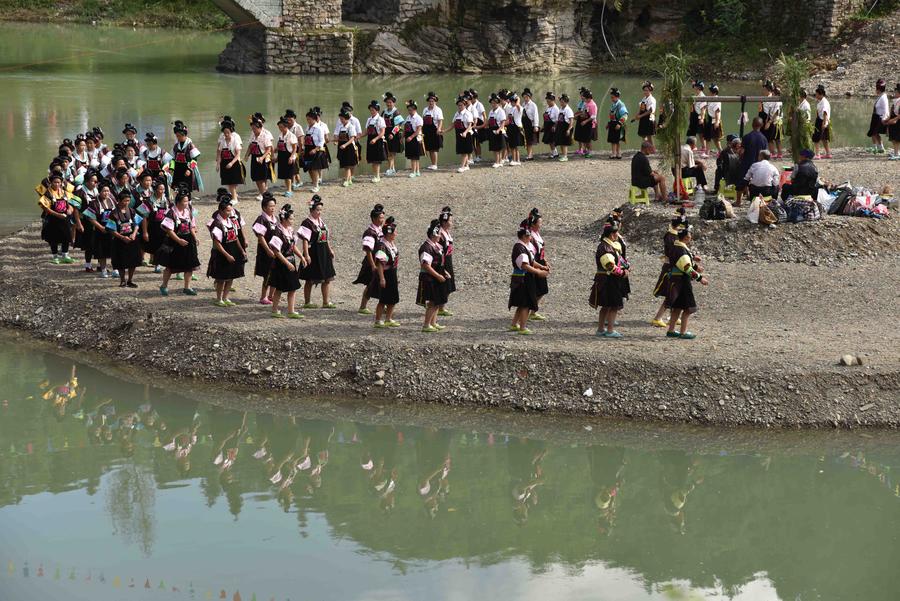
(830, 15)
(304, 15)
(309, 52)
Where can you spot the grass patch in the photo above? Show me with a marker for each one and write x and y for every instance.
(187, 14)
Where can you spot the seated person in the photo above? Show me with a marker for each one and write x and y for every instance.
(762, 177)
(691, 167)
(642, 176)
(728, 163)
(805, 179)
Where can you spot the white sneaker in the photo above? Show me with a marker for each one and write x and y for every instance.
(104, 274)
(466, 168)
(412, 175)
(514, 163)
(477, 160)
(375, 180)
(390, 172)
(506, 161)
(461, 170)
(497, 165)
(432, 167)
(314, 189)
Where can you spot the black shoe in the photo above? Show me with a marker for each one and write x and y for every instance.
(131, 285)
(121, 284)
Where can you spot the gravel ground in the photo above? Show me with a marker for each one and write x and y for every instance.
(770, 331)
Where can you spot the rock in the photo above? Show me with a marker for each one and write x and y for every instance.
(379, 382)
(848, 360)
(859, 360)
(588, 393)
(662, 407)
(379, 374)
(866, 407)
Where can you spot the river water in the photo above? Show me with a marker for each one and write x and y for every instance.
(105, 484)
(58, 81)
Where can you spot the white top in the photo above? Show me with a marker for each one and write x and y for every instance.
(349, 128)
(436, 249)
(195, 152)
(465, 116)
(297, 130)
(436, 113)
(650, 105)
(822, 107)
(712, 108)
(414, 120)
(356, 123)
(290, 141)
(161, 155)
(324, 127)
(536, 243)
(897, 106)
(687, 156)
(499, 115)
(567, 113)
(772, 109)
(377, 122)
(236, 141)
(264, 139)
(882, 108)
(471, 110)
(515, 114)
(479, 109)
(699, 105)
(804, 107)
(531, 111)
(552, 112)
(762, 174)
(368, 240)
(317, 131)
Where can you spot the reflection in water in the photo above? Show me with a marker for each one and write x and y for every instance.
(177, 475)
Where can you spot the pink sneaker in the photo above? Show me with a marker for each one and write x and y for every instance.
(579, 151)
(265, 301)
(817, 157)
(828, 156)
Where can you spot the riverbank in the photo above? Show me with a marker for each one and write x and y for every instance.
(770, 331)
(185, 14)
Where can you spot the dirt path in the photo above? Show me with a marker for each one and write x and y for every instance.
(770, 332)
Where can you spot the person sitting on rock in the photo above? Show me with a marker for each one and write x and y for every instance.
(762, 177)
(805, 178)
(643, 176)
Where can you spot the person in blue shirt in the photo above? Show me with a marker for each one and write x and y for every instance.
(618, 116)
(752, 143)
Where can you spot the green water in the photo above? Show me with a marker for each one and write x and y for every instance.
(91, 500)
(58, 81)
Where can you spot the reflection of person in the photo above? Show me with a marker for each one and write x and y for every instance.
(433, 459)
(606, 464)
(379, 462)
(526, 473)
(678, 479)
(62, 394)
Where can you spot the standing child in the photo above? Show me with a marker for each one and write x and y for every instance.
(609, 287)
(881, 114)
(184, 169)
(259, 153)
(531, 125)
(463, 126)
(680, 299)
(297, 130)
(345, 136)
(497, 131)
(228, 157)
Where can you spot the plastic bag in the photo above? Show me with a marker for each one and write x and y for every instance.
(753, 211)
(824, 199)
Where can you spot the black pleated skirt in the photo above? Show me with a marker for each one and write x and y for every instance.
(377, 152)
(390, 293)
(125, 256)
(259, 172)
(430, 291)
(681, 294)
(523, 292)
(220, 269)
(177, 258)
(283, 279)
(606, 292)
(232, 176)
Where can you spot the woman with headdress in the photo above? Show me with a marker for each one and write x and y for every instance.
(894, 125)
(317, 255)
(97, 214)
(315, 157)
(432, 129)
(384, 283)
(80, 158)
(286, 148)
(264, 228)
(513, 128)
(698, 108)
(661, 290)
(412, 138)
(586, 122)
(531, 125)
(152, 210)
(228, 255)
(464, 130)
(376, 149)
(480, 114)
(680, 298)
(153, 159)
(432, 289)
(770, 113)
(565, 123)
(232, 172)
(123, 224)
(346, 107)
(534, 222)
(822, 128)
(446, 221)
(712, 124)
(496, 127)
(551, 115)
(55, 214)
(881, 114)
(646, 116)
(607, 293)
(523, 283)
(618, 117)
(178, 251)
(259, 153)
(393, 121)
(86, 193)
(370, 239)
(296, 129)
(285, 274)
(345, 136)
(184, 169)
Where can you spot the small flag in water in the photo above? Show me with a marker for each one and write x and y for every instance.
(117, 582)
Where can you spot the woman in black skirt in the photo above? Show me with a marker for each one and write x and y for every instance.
(531, 125)
(661, 290)
(285, 274)
(523, 283)
(551, 114)
(286, 146)
(496, 128)
(393, 123)
(259, 153)
(97, 214)
(345, 137)
(680, 299)
(370, 239)
(315, 150)
(178, 252)
(514, 138)
(228, 256)
(384, 284)
(317, 255)
(153, 211)
(228, 157)
(464, 128)
(432, 291)
(376, 149)
(534, 222)
(185, 171)
(445, 219)
(264, 228)
(881, 115)
(565, 123)
(894, 125)
(618, 117)
(87, 194)
(607, 293)
(646, 116)
(56, 229)
(412, 138)
(126, 250)
(432, 129)
(822, 127)
(698, 108)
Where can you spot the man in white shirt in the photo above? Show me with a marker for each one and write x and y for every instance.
(762, 177)
(690, 166)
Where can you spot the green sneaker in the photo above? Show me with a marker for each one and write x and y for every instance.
(392, 323)
(440, 327)
(277, 315)
(310, 306)
(229, 303)
(525, 332)
(688, 336)
(179, 277)
(673, 335)
(329, 306)
(512, 328)
(56, 260)
(445, 313)
(295, 315)
(163, 291)
(537, 317)
(189, 292)
(67, 260)
(380, 325)
(364, 311)
(430, 329)
(219, 303)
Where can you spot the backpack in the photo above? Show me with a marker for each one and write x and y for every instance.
(838, 207)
